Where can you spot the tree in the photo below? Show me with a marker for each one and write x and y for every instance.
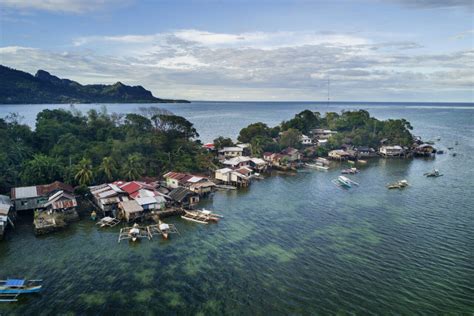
(84, 172)
(291, 138)
(253, 130)
(108, 168)
(221, 142)
(133, 167)
(41, 169)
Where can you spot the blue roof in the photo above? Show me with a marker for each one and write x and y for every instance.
(15, 282)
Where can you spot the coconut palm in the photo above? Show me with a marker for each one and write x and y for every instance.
(84, 172)
(108, 167)
(133, 167)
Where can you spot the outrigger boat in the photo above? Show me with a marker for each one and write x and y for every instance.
(362, 161)
(350, 171)
(108, 221)
(317, 165)
(435, 173)
(323, 161)
(133, 233)
(398, 185)
(202, 216)
(344, 182)
(10, 289)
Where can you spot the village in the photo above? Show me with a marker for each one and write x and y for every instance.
(145, 203)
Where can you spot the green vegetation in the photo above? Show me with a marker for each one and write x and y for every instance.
(97, 147)
(21, 87)
(357, 128)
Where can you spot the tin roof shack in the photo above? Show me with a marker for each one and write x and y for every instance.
(258, 164)
(197, 184)
(424, 150)
(65, 203)
(392, 151)
(237, 162)
(292, 154)
(230, 152)
(183, 197)
(107, 197)
(239, 177)
(130, 210)
(339, 154)
(34, 197)
(6, 214)
(365, 152)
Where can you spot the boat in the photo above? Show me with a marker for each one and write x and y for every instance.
(10, 289)
(362, 161)
(450, 148)
(108, 221)
(440, 152)
(344, 182)
(201, 216)
(352, 162)
(134, 232)
(323, 161)
(398, 185)
(225, 187)
(318, 166)
(435, 173)
(164, 228)
(350, 171)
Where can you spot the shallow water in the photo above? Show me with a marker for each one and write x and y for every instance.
(290, 244)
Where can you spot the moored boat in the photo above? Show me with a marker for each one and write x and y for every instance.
(10, 289)
(435, 173)
(317, 165)
(164, 228)
(350, 171)
(398, 185)
(343, 181)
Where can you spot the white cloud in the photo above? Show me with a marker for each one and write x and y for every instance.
(64, 6)
(257, 66)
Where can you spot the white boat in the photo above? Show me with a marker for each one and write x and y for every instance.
(435, 173)
(345, 182)
(201, 216)
(398, 185)
(317, 165)
(134, 232)
(350, 171)
(323, 161)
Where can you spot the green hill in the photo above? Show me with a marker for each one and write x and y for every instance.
(18, 87)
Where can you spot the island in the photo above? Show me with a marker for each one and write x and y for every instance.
(19, 87)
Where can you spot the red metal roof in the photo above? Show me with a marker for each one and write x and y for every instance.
(46, 189)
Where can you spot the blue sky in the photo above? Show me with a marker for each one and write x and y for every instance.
(373, 50)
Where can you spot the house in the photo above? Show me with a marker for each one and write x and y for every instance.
(246, 149)
(237, 162)
(292, 154)
(305, 140)
(424, 150)
(63, 202)
(184, 197)
(130, 210)
(338, 154)
(267, 156)
(365, 152)
(391, 151)
(239, 177)
(198, 184)
(151, 203)
(34, 197)
(6, 214)
(108, 196)
(322, 142)
(258, 164)
(230, 152)
(319, 133)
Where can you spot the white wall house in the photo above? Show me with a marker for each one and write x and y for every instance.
(305, 140)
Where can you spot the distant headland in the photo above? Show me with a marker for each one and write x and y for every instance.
(19, 87)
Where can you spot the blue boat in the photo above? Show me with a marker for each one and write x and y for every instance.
(10, 289)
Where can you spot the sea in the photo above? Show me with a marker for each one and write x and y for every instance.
(291, 244)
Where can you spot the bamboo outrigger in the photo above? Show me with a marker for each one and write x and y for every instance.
(162, 229)
(133, 233)
(203, 216)
(108, 221)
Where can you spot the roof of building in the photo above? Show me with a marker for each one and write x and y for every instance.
(131, 206)
(289, 151)
(5, 201)
(226, 149)
(146, 200)
(24, 192)
(209, 146)
(60, 200)
(180, 193)
(224, 170)
(244, 170)
(236, 160)
(46, 189)
(203, 184)
(258, 161)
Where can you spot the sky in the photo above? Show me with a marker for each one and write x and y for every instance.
(243, 50)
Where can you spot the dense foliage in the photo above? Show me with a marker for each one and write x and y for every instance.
(355, 128)
(97, 147)
(21, 87)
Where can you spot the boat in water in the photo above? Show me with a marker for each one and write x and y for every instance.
(164, 228)
(398, 185)
(201, 216)
(350, 171)
(344, 182)
(317, 165)
(433, 174)
(10, 289)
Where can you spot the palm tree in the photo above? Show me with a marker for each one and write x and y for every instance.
(84, 172)
(133, 167)
(108, 167)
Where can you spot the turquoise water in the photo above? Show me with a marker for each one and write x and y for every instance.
(290, 244)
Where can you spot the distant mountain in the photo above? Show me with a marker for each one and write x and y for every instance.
(18, 87)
